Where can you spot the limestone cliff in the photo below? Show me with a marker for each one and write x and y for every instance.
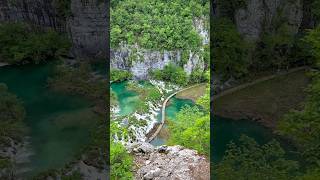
(260, 15)
(140, 61)
(85, 23)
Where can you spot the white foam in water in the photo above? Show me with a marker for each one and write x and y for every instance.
(139, 132)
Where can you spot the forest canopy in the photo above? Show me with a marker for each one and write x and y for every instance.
(160, 24)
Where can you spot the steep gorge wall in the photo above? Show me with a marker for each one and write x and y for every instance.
(141, 61)
(261, 15)
(258, 16)
(86, 25)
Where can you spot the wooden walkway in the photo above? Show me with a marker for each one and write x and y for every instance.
(163, 111)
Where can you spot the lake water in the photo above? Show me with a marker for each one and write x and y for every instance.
(59, 125)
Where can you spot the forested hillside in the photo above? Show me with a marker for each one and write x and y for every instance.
(282, 35)
(163, 31)
(158, 48)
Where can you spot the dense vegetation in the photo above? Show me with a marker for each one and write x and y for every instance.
(160, 24)
(248, 160)
(175, 74)
(121, 162)
(229, 51)
(304, 126)
(171, 73)
(117, 75)
(12, 128)
(21, 43)
(276, 49)
(191, 128)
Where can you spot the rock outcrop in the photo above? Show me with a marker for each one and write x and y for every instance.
(260, 15)
(141, 61)
(86, 24)
(147, 60)
(170, 163)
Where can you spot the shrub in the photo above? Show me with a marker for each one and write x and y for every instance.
(117, 75)
(19, 43)
(171, 73)
(121, 162)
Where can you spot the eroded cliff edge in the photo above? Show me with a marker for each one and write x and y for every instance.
(85, 21)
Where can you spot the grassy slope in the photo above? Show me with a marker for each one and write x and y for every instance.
(192, 93)
(266, 101)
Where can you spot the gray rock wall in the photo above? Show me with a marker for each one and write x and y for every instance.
(147, 60)
(259, 15)
(86, 27)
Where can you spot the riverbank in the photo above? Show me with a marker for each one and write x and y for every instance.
(264, 101)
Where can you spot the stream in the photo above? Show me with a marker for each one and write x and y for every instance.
(58, 125)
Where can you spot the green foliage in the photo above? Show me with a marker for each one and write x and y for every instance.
(146, 93)
(191, 129)
(121, 162)
(204, 101)
(20, 43)
(313, 41)
(304, 126)
(250, 161)
(230, 52)
(274, 49)
(12, 114)
(310, 175)
(158, 24)
(171, 73)
(118, 75)
(197, 76)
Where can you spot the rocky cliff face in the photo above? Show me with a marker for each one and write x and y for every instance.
(147, 60)
(86, 25)
(141, 61)
(260, 15)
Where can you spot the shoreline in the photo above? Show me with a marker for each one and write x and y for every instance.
(245, 101)
(163, 111)
(2, 64)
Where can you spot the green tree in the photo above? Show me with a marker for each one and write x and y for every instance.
(171, 73)
(191, 129)
(249, 161)
(303, 127)
(20, 43)
(229, 50)
(121, 162)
